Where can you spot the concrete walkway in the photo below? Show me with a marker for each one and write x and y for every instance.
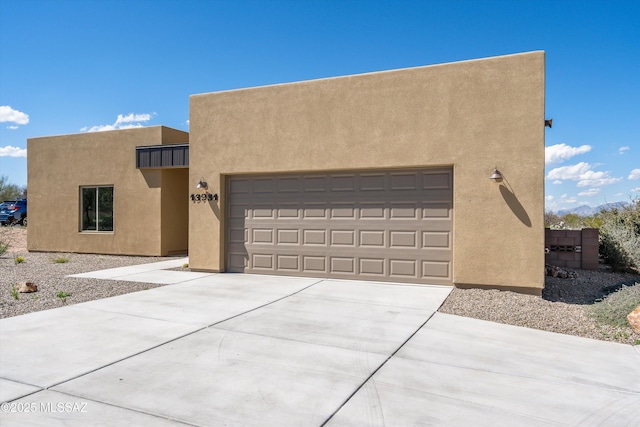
(247, 350)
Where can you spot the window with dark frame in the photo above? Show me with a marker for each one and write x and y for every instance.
(96, 208)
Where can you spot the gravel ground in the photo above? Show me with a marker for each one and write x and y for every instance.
(49, 276)
(563, 308)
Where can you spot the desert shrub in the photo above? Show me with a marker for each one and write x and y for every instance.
(571, 221)
(4, 246)
(614, 308)
(594, 221)
(62, 296)
(551, 219)
(620, 237)
(63, 259)
(10, 191)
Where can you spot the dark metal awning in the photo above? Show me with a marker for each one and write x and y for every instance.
(162, 156)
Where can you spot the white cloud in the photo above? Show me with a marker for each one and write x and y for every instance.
(122, 122)
(8, 114)
(590, 192)
(10, 151)
(596, 179)
(635, 174)
(635, 190)
(130, 118)
(98, 128)
(130, 126)
(572, 172)
(582, 173)
(561, 152)
(552, 202)
(12, 127)
(565, 199)
(557, 182)
(621, 150)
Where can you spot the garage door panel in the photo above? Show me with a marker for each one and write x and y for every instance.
(315, 237)
(262, 261)
(288, 185)
(263, 211)
(387, 225)
(314, 264)
(403, 239)
(237, 235)
(314, 184)
(343, 238)
(238, 211)
(287, 211)
(372, 211)
(289, 263)
(436, 239)
(262, 235)
(263, 185)
(433, 269)
(341, 211)
(342, 265)
(314, 211)
(403, 268)
(403, 211)
(372, 182)
(403, 181)
(372, 238)
(237, 262)
(343, 183)
(240, 186)
(436, 181)
(436, 210)
(373, 266)
(288, 237)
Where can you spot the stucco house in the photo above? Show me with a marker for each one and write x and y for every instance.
(381, 176)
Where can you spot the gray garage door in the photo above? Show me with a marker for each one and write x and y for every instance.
(374, 225)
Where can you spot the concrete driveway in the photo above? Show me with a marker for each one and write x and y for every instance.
(246, 350)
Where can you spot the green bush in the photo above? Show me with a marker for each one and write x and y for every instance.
(14, 292)
(613, 309)
(4, 246)
(63, 259)
(619, 231)
(62, 296)
(620, 237)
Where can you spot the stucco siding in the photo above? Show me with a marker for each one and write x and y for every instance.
(59, 165)
(471, 116)
(175, 211)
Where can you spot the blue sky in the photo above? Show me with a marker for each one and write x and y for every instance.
(71, 66)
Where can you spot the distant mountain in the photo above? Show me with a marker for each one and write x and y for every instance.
(585, 210)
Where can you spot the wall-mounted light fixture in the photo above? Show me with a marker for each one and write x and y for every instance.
(496, 176)
(206, 197)
(548, 123)
(202, 185)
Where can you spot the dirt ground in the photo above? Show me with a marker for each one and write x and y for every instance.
(17, 238)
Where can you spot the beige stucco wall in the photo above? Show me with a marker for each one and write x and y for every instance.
(471, 115)
(59, 165)
(175, 211)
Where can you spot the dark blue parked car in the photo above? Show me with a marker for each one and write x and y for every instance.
(13, 212)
